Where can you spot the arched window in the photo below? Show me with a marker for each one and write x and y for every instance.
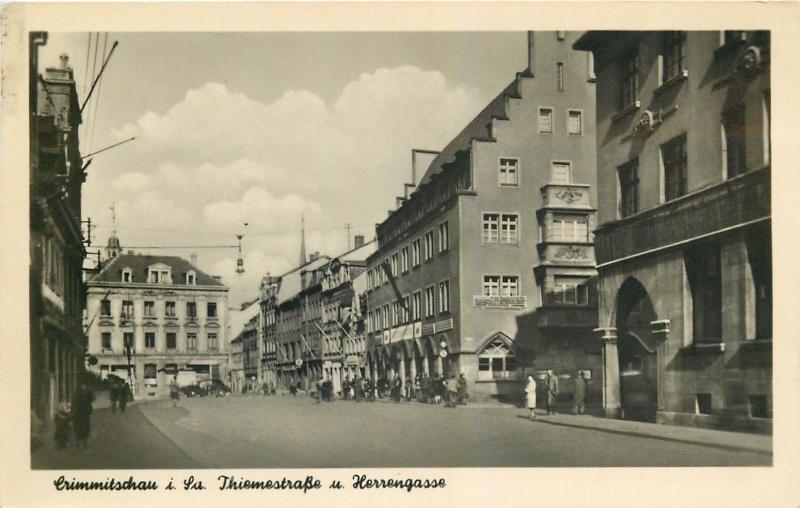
(497, 361)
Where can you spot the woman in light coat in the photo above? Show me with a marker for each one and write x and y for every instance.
(530, 397)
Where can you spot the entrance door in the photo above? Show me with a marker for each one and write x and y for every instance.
(638, 358)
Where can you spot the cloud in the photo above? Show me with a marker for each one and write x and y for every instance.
(217, 159)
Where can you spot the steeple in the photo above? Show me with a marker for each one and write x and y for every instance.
(302, 240)
(113, 247)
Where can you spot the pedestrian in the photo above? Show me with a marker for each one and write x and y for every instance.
(418, 387)
(397, 387)
(63, 425)
(174, 391)
(463, 395)
(450, 391)
(580, 394)
(358, 388)
(427, 384)
(408, 389)
(346, 388)
(530, 397)
(113, 396)
(124, 396)
(370, 387)
(551, 385)
(81, 414)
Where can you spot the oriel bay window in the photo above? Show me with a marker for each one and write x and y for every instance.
(569, 228)
(497, 361)
(567, 290)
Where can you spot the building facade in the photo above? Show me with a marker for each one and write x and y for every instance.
(152, 318)
(683, 243)
(486, 266)
(57, 295)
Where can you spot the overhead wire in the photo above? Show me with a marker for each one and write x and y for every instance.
(99, 88)
(91, 80)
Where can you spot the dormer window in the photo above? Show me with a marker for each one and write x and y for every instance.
(191, 278)
(159, 274)
(127, 275)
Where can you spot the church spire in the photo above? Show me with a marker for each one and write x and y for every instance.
(113, 247)
(302, 239)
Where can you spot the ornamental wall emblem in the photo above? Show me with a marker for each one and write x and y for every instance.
(751, 61)
(571, 252)
(569, 196)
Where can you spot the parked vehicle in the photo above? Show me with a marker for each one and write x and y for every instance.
(191, 391)
(214, 387)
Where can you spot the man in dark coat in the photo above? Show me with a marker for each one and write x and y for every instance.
(81, 414)
(124, 396)
(462, 389)
(113, 395)
(580, 394)
(426, 388)
(551, 385)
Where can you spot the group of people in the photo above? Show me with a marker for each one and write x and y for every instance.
(551, 390)
(119, 394)
(423, 388)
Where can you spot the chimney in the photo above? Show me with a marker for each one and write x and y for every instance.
(531, 47)
(193, 260)
(359, 241)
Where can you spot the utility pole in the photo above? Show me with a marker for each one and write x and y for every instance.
(348, 235)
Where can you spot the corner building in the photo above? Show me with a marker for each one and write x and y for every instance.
(172, 317)
(486, 267)
(684, 245)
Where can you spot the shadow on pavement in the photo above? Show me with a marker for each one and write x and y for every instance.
(717, 446)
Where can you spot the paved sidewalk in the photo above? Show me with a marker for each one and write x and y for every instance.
(738, 441)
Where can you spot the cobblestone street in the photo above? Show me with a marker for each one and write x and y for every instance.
(273, 432)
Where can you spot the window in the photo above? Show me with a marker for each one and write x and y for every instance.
(428, 245)
(560, 76)
(703, 403)
(406, 309)
(191, 341)
(629, 84)
(509, 175)
(758, 406)
(150, 374)
(105, 307)
(172, 340)
(490, 228)
(568, 291)
(590, 75)
(444, 237)
(673, 156)
(560, 35)
(149, 340)
(574, 122)
(545, 120)
(127, 310)
(628, 188)
(404, 259)
(444, 296)
(673, 56)
(386, 316)
(105, 340)
(509, 285)
(152, 277)
(509, 231)
(213, 343)
(734, 154)
(169, 309)
(415, 251)
(191, 309)
(149, 309)
(191, 278)
(560, 173)
(394, 265)
(416, 306)
(211, 309)
(127, 276)
(569, 228)
(705, 284)
(429, 302)
(497, 361)
(491, 285)
(127, 340)
(759, 253)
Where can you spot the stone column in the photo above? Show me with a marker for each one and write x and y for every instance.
(412, 365)
(660, 331)
(439, 366)
(611, 393)
(401, 365)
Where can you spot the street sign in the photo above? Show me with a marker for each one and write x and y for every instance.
(299, 362)
(443, 353)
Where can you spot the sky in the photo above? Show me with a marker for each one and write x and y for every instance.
(261, 128)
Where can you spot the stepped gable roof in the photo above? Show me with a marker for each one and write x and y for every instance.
(478, 128)
(138, 263)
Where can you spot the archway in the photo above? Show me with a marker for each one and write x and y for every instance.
(638, 358)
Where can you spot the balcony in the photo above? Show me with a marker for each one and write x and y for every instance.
(569, 197)
(740, 200)
(566, 317)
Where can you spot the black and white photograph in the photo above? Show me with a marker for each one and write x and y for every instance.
(365, 249)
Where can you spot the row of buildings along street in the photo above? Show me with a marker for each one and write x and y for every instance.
(606, 215)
